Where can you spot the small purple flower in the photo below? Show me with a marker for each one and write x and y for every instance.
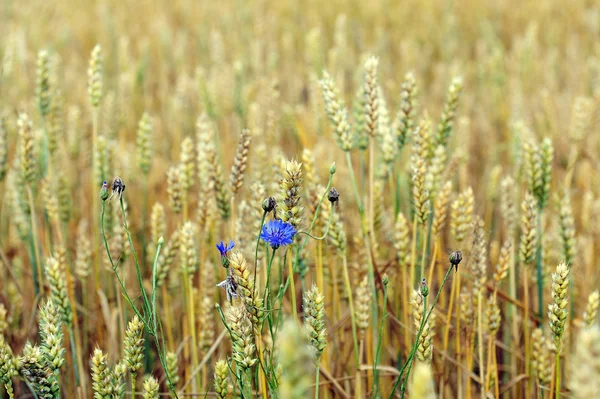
(278, 233)
(104, 192)
(224, 249)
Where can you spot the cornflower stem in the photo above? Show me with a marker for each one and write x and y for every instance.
(120, 308)
(351, 303)
(33, 235)
(168, 321)
(315, 237)
(416, 344)
(293, 286)
(262, 222)
(137, 263)
(308, 235)
(379, 341)
(261, 371)
(449, 319)
(114, 266)
(152, 323)
(267, 292)
(320, 267)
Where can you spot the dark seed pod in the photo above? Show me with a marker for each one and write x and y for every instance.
(333, 196)
(118, 187)
(269, 204)
(455, 258)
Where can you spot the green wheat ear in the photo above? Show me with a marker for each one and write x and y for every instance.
(150, 389)
(314, 319)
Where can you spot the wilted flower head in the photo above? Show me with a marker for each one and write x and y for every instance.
(230, 287)
(455, 258)
(269, 204)
(278, 233)
(118, 187)
(333, 196)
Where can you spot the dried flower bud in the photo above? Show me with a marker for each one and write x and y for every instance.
(455, 258)
(333, 196)
(269, 204)
(118, 187)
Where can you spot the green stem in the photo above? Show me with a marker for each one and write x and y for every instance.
(33, 235)
(267, 292)
(318, 372)
(36, 283)
(74, 355)
(314, 221)
(557, 361)
(114, 267)
(153, 325)
(353, 181)
(314, 237)
(414, 349)
(133, 375)
(262, 221)
(137, 263)
(538, 266)
(410, 363)
(379, 340)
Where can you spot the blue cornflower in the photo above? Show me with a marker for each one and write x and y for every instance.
(278, 233)
(223, 249)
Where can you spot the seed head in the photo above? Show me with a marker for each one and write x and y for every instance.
(269, 204)
(455, 258)
(95, 76)
(134, 345)
(333, 196)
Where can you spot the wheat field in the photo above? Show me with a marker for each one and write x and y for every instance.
(299, 199)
